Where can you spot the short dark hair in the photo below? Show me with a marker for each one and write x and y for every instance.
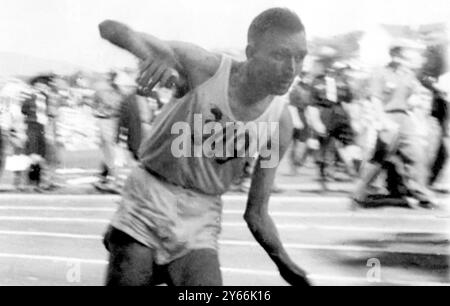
(275, 18)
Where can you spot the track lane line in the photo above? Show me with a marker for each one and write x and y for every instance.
(241, 243)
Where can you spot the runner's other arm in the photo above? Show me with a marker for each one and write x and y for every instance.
(257, 212)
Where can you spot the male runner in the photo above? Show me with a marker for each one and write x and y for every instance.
(167, 227)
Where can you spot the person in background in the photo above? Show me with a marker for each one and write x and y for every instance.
(440, 111)
(5, 124)
(398, 143)
(2, 152)
(136, 115)
(3, 114)
(329, 92)
(12, 124)
(106, 107)
(299, 98)
(17, 140)
(53, 158)
(363, 119)
(34, 109)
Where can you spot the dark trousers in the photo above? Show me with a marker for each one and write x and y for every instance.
(440, 161)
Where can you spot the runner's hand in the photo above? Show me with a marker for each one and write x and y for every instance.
(157, 70)
(294, 275)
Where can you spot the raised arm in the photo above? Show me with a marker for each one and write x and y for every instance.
(163, 62)
(126, 38)
(257, 213)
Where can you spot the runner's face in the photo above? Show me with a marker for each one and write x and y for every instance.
(277, 58)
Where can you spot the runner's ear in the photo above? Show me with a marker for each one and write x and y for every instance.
(250, 51)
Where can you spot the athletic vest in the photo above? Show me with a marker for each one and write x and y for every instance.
(197, 143)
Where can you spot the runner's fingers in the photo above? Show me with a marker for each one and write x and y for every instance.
(147, 74)
(143, 66)
(156, 77)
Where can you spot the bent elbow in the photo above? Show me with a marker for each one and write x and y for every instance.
(106, 28)
(253, 221)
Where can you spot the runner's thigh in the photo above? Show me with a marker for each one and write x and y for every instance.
(130, 263)
(198, 268)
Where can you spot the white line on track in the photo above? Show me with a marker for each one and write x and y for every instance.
(51, 235)
(59, 197)
(290, 199)
(320, 247)
(238, 243)
(281, 226)
(225, 198)
(58, 208)
(255, 272)
(53, 220)
(384, 229)
(295, 214)
(291, 214)
(53, 258)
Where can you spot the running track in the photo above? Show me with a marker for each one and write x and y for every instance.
(56, 240)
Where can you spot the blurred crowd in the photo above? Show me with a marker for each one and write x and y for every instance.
(345, 118)
(386, 128)
(35, 119)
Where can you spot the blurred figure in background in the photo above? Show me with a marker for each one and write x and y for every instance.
(5, 124)
(136, 115)
(17, 142)
(363, 119)
(300, 99)
(398, 145)
(53, 158)
(3, 134)
(42, 119)
(2, 149)
(439, 111)
(329, 92)
(34, 109)
(13, 128)
(106, 107)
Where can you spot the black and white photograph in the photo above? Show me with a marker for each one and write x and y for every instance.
(213, 143)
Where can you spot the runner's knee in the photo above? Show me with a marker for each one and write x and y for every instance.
(130, 263)
(198, 268)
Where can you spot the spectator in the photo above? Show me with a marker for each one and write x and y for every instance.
(398, 142)
(135, 121)
(440, 111)
(106, 109)
(34, 109)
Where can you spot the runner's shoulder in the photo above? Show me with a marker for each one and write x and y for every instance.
(195, 59)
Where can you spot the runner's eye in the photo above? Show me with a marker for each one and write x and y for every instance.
(279, 56)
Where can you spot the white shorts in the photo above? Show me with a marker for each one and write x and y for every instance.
(167, 218)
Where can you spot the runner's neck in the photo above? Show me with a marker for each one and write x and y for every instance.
(245, 88)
